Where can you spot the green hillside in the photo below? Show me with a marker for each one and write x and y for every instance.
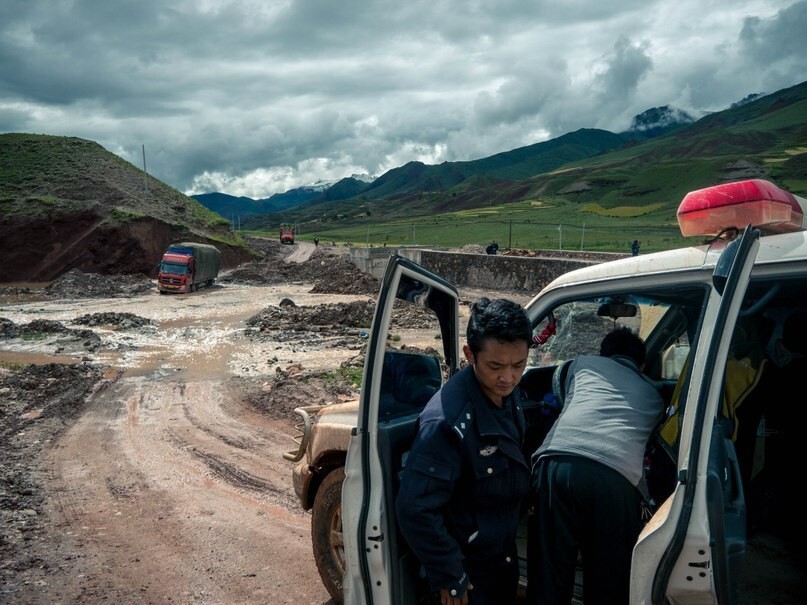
(599, 203)
(68, 203)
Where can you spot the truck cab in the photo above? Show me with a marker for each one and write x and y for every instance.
(724, 522)
(187, 266)
(286, 233)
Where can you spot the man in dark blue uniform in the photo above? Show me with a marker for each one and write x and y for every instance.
(466, 477)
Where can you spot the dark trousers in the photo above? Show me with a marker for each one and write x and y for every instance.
(581, 506)
(495, 581)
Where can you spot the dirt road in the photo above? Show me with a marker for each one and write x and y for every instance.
(167, 491)
(302, 252)
(141, 436)
(170, 487)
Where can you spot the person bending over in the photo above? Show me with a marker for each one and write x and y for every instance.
(588, 477)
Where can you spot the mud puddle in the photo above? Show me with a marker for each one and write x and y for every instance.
(15, 359)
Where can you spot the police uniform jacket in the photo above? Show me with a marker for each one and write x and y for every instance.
(464, 481)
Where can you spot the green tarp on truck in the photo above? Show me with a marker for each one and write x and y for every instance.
(188, 266)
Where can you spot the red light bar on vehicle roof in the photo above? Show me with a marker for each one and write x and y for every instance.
(712, 210)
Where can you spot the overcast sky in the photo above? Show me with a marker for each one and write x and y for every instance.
(255, 97)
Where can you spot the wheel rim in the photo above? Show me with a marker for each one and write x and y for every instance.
(337, 542)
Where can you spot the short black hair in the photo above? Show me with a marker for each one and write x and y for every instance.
(623, 341)
(501, 319)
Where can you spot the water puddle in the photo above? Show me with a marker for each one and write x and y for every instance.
(17, 359)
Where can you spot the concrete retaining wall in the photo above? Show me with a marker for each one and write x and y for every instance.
(501, 272)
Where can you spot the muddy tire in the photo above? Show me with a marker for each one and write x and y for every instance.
(326, 533)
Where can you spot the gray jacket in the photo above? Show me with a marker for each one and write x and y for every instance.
(611, 410)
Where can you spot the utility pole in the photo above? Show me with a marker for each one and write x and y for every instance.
(560, 237)
(582, 235)
(145, 173)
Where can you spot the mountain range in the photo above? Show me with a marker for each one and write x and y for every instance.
(649, 169)
(68, 203)
(415, 176)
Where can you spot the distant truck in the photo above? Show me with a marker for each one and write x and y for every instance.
(286, 233)
(188, 266)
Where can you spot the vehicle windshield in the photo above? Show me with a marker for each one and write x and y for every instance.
(173, 268)
(664, 322)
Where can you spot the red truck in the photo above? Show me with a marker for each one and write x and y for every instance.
(286, 233)
(188, 266)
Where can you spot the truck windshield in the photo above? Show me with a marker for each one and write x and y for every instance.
(173, 268)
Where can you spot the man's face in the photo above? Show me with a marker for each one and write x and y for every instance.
(498, 366)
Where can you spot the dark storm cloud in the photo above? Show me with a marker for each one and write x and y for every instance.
(252, 97)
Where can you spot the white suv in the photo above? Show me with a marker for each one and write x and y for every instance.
(724, 527)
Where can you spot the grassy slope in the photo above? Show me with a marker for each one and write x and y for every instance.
(47, 175)
(602, 203)
(67, 203)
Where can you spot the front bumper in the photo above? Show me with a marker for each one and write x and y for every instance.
(301, 479)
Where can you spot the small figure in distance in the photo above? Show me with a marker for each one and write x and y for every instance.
(492, 248)
(634, 248)
(316, 242)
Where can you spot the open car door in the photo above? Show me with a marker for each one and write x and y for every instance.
(693, 549)
(399, 378)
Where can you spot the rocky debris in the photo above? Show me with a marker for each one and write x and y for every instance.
(36, 404)
(266, 247)
(336, 317)
(77, 284)
(469, 249)
(43, 391)
(8, 329)
(409, 316)
(293, 386)
(278, 397)
(9, 291)
(567, 254)
(43, 329)
(337, 275)
(330, 272)
(124, 321)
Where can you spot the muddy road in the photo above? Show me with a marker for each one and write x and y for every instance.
(170, 486)
(141, 436)
(167, 484)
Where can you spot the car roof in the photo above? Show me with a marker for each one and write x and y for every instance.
(773, 249)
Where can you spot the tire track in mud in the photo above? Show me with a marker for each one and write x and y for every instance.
(241, 443)
(235, 476)
(155, 509)
(209, 433)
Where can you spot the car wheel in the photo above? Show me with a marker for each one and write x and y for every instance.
(326, 533)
